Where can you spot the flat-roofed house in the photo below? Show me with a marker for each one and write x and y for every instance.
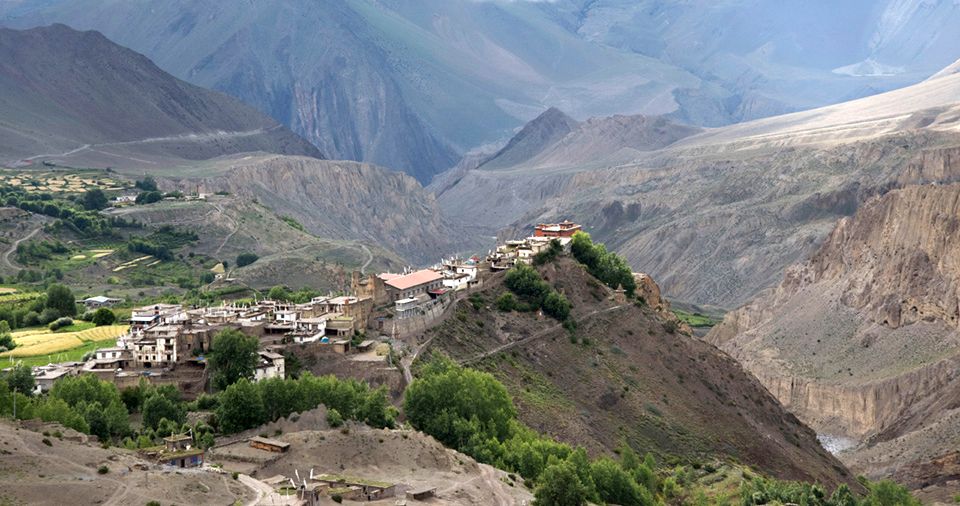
(269, 365)
(411, 285)
(100, 301)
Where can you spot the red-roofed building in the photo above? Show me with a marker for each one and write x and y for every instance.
(411, 285)
(565, 228)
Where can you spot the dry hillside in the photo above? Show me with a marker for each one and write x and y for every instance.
(629, 378)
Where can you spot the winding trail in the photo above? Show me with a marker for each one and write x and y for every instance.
(236, 227)
(363, 269)
(13, 247)
(532, 337)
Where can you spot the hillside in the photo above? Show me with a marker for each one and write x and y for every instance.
(65, 471)
(717, 216)
(629, 377)
(869, 320)
(76, 97)
(337, 200)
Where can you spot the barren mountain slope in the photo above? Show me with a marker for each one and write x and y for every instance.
(717, 216)
(333, 199)
(629, 378)
(862, 339)
(66, 95)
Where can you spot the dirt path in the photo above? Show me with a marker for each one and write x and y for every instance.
(363, 269)
(236, 227)
(13, 247)
(531, 338)
(210, 136)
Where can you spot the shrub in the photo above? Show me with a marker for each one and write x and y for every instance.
(337, 498)
(334, 418)
(103, 469)
(506, 302)
(60, 323)
(47, 442)
(103, 316)
(245, 259)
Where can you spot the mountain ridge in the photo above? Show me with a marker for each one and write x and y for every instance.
(117, 99)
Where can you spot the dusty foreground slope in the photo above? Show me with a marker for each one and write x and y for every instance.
(409, 459)
(716, 217)
(861, 340)
(65, 472)
(78, 98)
(628, 378)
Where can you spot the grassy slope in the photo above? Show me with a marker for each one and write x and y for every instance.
(628, 379)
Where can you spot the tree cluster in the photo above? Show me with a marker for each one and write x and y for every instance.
(533, 293)
(604, 265)
(244, 404)
(472, 412)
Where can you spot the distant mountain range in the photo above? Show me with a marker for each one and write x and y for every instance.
(715, 215)
(412, 84)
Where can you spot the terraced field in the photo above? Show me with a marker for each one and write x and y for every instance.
(42, 342)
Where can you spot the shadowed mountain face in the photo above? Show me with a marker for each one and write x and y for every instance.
(64, 92)
(410, 84)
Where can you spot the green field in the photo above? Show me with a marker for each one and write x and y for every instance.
(696, 319)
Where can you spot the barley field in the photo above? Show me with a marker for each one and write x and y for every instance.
(43, 342)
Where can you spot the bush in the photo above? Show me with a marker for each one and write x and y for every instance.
(60, 323)
(103, 469)
(334, 418)
(337, 498)
(103, 316)
(245, 259)
(47, 442)
(506, 302)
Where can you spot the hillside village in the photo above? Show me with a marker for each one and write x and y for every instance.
(167, 343)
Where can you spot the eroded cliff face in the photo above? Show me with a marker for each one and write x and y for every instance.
(862, 339)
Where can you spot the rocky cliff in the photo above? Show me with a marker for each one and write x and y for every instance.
(861, 340)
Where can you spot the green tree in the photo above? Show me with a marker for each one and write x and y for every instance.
(615, 485)
(245, 259)
(95, 200)
(455, 404)
(232, 357)
(506, 302)
(279, 293)
(559, 485)
(6, 339)
(241, 407)
(20, 379)
(148, 184)
(157, 407)
(61, 299)
(103, 316)
(888, 493)
(556, 305)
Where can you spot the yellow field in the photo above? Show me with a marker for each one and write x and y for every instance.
(7, 289)
(43, 342)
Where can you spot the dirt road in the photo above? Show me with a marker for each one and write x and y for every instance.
(13, 247)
